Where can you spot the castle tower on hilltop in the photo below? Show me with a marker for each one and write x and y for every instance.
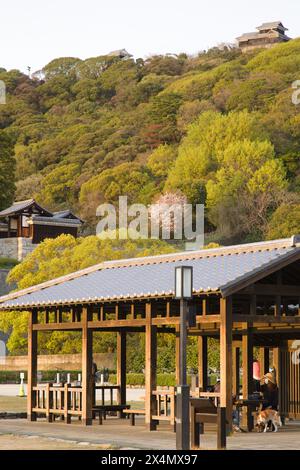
(268, 35)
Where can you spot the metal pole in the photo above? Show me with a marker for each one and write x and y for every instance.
(183, 390)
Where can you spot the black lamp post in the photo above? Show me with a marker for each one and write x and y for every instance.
(183, 292)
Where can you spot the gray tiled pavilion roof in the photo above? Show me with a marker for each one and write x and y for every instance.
(224, 270)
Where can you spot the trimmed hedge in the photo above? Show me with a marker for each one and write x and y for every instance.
(163, 380)
(8, 263)
(139, 379)
(7, 377)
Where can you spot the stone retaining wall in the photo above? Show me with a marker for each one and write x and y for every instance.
(56, 362)
(16, 248)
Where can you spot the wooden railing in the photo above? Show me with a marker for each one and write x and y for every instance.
(112, 398)
(55, 400)
(165, 405)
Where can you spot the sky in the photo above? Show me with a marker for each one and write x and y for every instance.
(33, 32)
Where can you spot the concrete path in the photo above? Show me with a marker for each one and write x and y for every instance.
(114, 433)
(119, 434)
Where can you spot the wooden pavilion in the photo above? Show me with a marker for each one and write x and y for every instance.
(245, 295)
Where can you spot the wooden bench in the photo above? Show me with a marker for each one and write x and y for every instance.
(131, 413)
(103, 409)
(203, 410)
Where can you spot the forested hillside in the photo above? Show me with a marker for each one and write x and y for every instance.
(220, 128)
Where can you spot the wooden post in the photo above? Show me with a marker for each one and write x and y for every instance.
(221, 424)
(226, 358)
(247, 365)
(278, 306)
(121, 367)
(264, 360)
(276, 362)
(49, 403)
(67, 404)
(32, 365)
(87, 363)
(177, 354)
(150, 368)
(236, 371)
(202, 362)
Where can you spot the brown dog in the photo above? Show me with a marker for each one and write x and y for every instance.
(266, 416)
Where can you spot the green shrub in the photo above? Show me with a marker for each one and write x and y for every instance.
(8, 263)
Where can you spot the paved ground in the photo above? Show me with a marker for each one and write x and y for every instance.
(9, 442)
(119, 434)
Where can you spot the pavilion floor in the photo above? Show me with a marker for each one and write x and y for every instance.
(118, 434)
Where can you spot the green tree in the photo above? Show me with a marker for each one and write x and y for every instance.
(161, 160)
(201, 150)
(285, 222)
(249, 183)
(7, 170)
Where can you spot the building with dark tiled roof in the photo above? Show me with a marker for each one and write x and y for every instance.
(268, 35)
(25, 224)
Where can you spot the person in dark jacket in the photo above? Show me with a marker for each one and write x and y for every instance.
(270, 392)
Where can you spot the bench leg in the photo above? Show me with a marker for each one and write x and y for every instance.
(132, 419)
(153, 425)
(100, 418)
(195, 435)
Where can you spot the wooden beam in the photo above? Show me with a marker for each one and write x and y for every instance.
(60, 315)
(281, 373)
(121, 367)
(204, 307)
(236, 370)
(150, 368)
(116, 323)
(87, 364)
(73, 315)
(276, 363)
(202, 362)
(226, 358)
(247, 365)
(32, 364)
(132, 329)
(57, 326)
(264, 360)
(47, 315)
(168, 309)
(266, 319)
